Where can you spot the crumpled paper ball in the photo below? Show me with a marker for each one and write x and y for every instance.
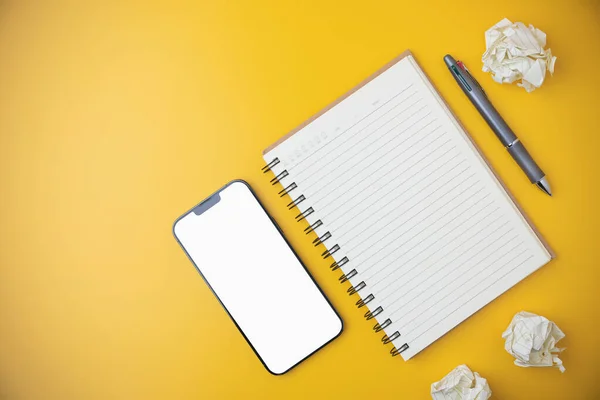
(532, 340)
(515, 52)
(461, 384)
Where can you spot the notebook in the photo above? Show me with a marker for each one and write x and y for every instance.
(405, 207)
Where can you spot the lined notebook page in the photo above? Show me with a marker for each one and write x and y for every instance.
(429, 233)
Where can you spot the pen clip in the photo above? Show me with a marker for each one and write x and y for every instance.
(464, 68)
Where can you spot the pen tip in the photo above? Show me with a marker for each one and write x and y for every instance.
(544, 186)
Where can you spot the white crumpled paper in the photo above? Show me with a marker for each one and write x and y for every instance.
(461, 384)
(515, 52)
(532, 340)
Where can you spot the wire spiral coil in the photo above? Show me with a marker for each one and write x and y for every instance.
(330, 252)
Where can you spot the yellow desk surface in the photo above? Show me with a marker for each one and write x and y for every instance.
(115, 119)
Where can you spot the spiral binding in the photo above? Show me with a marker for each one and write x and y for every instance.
(336, 264)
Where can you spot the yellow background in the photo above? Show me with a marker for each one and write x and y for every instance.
(115, 119)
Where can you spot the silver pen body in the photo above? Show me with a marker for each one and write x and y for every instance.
(506, 136)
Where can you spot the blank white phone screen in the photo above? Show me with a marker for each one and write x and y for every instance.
(257, 277)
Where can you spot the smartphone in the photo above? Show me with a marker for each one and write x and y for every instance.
(260, 281)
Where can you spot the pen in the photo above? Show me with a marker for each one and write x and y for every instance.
(506, 136)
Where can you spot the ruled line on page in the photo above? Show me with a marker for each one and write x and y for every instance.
(355, 197)
(364, 170)
(449, 314)
(431, 224)
(353, 160)
(370, 217)
(390, 283)
(402, 222)
(435, 239)
(438, 301)
(366, 230)
(393, 239)
(350, 138)
(417, 204)
(425, 283)
(348, 199)
(414, 286)
(358, 169)
(341, 134)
